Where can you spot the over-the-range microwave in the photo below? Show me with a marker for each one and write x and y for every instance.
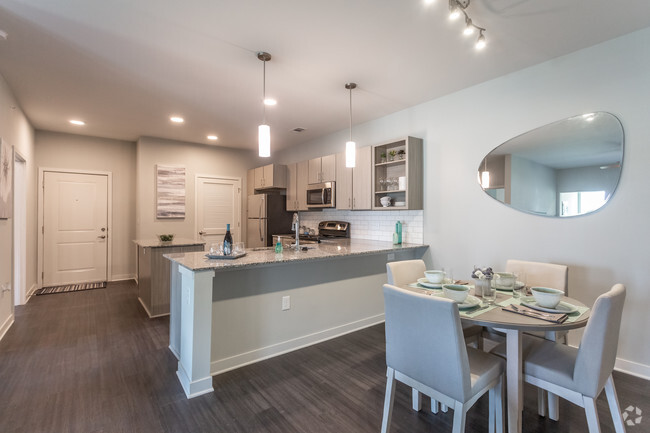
(321, 195)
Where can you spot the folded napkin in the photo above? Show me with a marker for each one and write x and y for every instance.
(530, 312)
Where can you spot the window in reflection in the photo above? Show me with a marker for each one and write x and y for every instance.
(581, 202)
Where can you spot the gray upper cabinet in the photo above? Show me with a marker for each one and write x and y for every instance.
(269, 176)
(398, 174)
(322, 169)
(353, 185)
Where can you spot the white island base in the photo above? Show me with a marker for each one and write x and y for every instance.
(229, 313)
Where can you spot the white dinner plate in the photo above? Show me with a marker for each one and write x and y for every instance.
(562, 307)
(425, 283)
(470, 302)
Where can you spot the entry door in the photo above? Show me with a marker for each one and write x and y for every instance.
(75, 231)
(218, 203)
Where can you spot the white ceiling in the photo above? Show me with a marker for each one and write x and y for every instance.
(125, 66)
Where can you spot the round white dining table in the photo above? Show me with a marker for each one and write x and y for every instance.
(513, 325)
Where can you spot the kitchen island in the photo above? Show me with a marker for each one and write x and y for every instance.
(229, 313)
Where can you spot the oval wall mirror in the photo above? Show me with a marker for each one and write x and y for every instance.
(567, 168)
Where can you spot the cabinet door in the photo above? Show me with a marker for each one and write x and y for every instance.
(314, 171)
(292, 191)
(250, 182)
(328, 168)
(302, 170)
(259, 177)
(343, 183)
(361, 179)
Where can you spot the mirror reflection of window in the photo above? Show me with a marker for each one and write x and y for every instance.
(581, 202)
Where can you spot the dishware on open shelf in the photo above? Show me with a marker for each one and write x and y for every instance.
(385, 201)
(547, 297)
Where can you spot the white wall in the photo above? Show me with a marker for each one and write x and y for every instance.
(16, 130)
(197, 159)
(533, 186)
(79, 152)
(465, 227)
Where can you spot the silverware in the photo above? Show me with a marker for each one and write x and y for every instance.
(536, 313)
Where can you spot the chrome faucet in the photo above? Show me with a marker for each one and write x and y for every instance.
(295, 225)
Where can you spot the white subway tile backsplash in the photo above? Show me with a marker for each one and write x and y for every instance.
(374, 225)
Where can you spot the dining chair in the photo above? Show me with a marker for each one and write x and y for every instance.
(579, 375)
(405, 272)
(425, 350)
(538, 274)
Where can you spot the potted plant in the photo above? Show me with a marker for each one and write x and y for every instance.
(392, 154)
(383, 157)
(401, 154)
(482, 280)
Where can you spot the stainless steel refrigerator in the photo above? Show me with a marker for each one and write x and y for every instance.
(266, 217)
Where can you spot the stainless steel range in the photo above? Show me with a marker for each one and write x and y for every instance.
(327, 231)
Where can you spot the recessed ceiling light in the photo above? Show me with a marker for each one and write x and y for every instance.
(177, 119)
(270, 101)
(212, 137)
(78, 122)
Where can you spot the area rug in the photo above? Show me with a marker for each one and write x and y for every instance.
(70, 288)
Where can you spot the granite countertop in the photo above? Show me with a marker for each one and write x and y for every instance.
(198, 261)
(177, 242)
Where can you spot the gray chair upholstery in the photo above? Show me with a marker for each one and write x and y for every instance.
(406, 272)
(425, 349)
(579, 375)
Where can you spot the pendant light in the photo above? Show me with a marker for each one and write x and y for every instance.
(264, 131)
(485, 176)
(350, 146)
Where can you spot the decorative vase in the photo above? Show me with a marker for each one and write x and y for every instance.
(481, 286)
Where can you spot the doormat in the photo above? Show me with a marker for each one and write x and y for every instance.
(70, 288)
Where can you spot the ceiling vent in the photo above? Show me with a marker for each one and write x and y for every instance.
(299, 129)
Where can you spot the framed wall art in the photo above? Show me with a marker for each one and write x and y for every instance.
(170, 191)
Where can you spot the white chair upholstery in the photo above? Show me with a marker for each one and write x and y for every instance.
(405, 272)
(579, 375)
(425, 349)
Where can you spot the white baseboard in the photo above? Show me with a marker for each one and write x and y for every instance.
(30, 292)
(123, 277)
(5, 326)
(223, 365)
(633, 368)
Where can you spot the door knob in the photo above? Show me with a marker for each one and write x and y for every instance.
(102, 237)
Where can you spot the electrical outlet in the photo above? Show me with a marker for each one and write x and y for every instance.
(391, 256)
(286, 303)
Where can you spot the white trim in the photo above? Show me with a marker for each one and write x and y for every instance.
(109, 217)
(123, 277)
(5, 326)
(238, 180)
(31, 291)
(633, 368)
(19, 230)
(233, 362)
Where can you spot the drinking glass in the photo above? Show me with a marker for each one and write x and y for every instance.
(238, 248)
(382, 184)
(216, 249)
(519, 290)
(489, 294)
(449, 276)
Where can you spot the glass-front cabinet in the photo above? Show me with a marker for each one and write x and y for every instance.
(397, 175)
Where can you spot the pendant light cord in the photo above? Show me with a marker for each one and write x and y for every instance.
(264, 93)
(350, 113)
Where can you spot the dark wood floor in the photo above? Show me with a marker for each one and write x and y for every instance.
(92, 362)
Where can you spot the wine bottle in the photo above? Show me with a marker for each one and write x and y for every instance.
(227, 242)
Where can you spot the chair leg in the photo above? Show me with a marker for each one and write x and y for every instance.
(553, 406)
(499, 397)
(388, 400)
(614, 407)
(416, 397)
(492, 410)
(459, 418)
(592, 414)
(541, 402)
(444, 408)
(434, 405)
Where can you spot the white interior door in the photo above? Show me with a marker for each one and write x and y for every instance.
(20, 230)
(218, 202)
(75, 228)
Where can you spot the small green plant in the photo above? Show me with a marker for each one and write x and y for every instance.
(401, 153)
(166, 238)
(392, 153)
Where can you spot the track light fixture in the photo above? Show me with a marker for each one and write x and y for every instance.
(458, 8)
